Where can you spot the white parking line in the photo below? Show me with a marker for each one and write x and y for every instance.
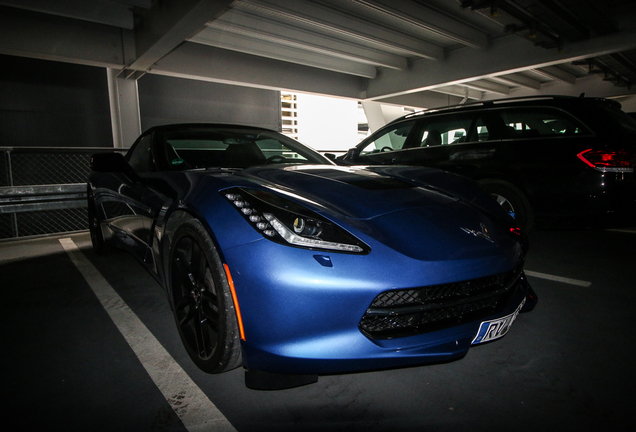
(629, 230)
(187, 400)
(558, 278)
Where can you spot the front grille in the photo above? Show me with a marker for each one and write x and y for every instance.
(408, 312)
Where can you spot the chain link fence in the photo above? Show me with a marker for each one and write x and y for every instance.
(43, 190)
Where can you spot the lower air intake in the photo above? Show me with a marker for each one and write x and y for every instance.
(407, 312)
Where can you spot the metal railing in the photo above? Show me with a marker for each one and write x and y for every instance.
(43, 190)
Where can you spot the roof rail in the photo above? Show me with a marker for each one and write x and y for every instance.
(488, 103)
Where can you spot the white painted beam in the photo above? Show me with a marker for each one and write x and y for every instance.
(273, 50)
(505, 55)
(207, 63)
(516, 79)
(424, 100)
(168, 24)
(430, 20)
(459, 91)
(334, 22)
(591, 85)
(556, 73)
(492, 87)
(239, 22)
(379, 114)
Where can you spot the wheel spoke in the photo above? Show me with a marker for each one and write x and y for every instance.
(195, 263)
(212, 316)
(182, 264)
(183, 304)
(202, 335)
(187, 316)
(202, 265)
(210, 297)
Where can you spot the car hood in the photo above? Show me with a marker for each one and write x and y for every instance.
(405, 208)
(354, 192)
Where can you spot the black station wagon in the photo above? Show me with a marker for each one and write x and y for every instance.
(550, 161)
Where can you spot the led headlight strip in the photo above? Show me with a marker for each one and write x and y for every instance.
(297, 240)
(288, 223)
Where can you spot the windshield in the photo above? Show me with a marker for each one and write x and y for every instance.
(201, 147)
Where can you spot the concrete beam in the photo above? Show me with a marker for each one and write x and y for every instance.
(30, 34)
(424, 100)
(168, 23)
(430, 20)
(379, 114)
(207, 63)
(262, 47)
(266, 29)
(348, 27)
(505, 55)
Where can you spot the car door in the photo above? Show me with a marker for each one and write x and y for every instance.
(470, 143)
(127, 211)
(456, 142)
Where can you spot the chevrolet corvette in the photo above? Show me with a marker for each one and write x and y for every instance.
(275, 259)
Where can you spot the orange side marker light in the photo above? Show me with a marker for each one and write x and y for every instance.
(235, 300)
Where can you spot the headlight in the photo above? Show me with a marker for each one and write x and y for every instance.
(286, 222)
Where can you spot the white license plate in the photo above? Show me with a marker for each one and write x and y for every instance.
(494, 329)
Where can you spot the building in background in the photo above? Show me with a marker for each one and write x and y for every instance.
(323, 123)
(331, 124)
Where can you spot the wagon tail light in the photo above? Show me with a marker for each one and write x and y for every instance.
(283, 221)
(609, 160)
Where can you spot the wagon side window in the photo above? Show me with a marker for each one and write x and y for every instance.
(540, 122)
(446, 129)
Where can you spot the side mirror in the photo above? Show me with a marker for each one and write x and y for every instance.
(352, 154)
(112, 162)
(330, 156)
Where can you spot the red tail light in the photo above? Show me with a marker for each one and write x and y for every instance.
(608, 160)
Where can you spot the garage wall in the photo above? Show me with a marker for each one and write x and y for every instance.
(164, 100)
(52, 104)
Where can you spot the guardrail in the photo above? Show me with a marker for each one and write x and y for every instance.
(43, 190)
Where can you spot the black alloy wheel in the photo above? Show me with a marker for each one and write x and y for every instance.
(202, 302)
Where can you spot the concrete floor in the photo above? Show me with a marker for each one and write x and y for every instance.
(567, 366)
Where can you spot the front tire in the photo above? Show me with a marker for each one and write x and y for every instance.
(201, 300)
(94, 226)
(512, 200)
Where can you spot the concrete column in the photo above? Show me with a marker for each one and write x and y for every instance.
(124, 109)
(380, 114)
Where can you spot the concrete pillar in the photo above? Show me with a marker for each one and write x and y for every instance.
(380, 114)
(124, 109)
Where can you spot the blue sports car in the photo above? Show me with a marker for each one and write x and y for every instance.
(275, 259)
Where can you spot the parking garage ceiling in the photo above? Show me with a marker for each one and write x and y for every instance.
(420, 53)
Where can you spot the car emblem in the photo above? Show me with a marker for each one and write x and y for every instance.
(484, 233)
